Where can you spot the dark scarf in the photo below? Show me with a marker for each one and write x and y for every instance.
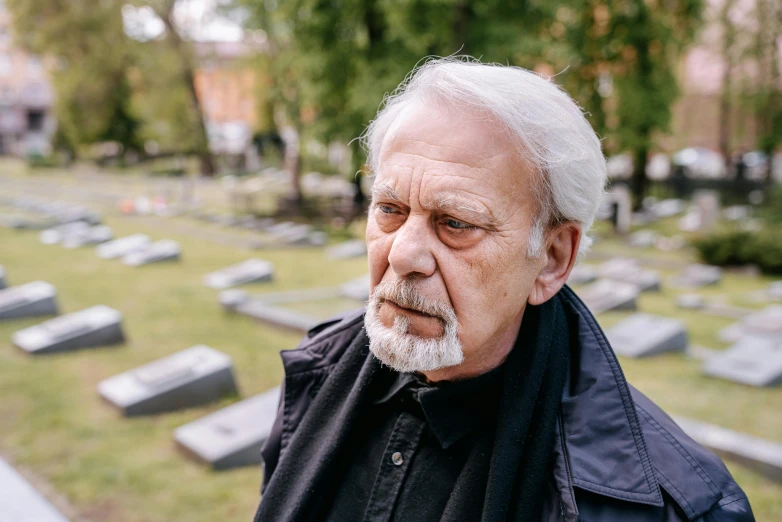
(506, 472)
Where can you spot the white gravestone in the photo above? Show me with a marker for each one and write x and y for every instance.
(29, 300)
(628, 270)
(606, 295)
(622, 203)
(708, 204)
(163, 250)
(357, 289)
(230, 299)
(775, 291)
(696, 276)
(582, 274)
(91, 236)
(123, 246)
(57, 234)
(754, 361)
(347, 250)
(643, 335)
(195, 376)
(233, 436)
(281, 317)
(3, 280)
(94, 326)
(690, 301)
(250, 271)
(763, 323)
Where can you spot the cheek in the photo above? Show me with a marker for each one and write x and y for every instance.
(378, 248)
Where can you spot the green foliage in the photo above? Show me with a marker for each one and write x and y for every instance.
(736, 247)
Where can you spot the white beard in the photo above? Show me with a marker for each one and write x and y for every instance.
(405, 352)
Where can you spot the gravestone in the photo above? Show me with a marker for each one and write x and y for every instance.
(622, 209)
(754, 361)
(191, 377)
(627, 270)
(690, 301)
(57, 234)
(303, 235)
(279, 229)
(357, 289)
(3, 280)
(91, 236)
(275, 316)
(707, 203)
(250, 271)
(347, 250)
(763, 323)
(232, 436)
(29, 300)
(94, 326)
(159, 251)
(775, 291)
(20, 502)
(642, 239)
(230, 299)
(643, 335)
(606, 295)
(123, 246)
(668, 208)
(762, 455)
(696, 276)
(582, 274)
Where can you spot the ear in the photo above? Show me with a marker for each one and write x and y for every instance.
(556, 261)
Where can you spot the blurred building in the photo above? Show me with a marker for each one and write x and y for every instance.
(27, 122)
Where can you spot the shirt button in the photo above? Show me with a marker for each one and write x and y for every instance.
(397, 459)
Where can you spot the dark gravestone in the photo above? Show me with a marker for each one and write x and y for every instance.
(754, 361)
(643, 335)
(281, 317)
(163, 250)
(29, 300)
(232, 436)
(766, 323)
(195, 376)
(627, 270)
(759, 454)
(606, 295)
(347, 250)
(3, 280)
(696, 276)
(94, 326)
(582, 274)
(250, 271)
(357, 289)
(123, 246)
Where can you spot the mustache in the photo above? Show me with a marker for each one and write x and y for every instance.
(403, 292)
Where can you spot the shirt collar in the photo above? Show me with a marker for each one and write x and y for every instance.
(452, 409)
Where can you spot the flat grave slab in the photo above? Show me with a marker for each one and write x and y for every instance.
(28, 300)
(628, 270)
(759, 454)
(754, 361)
(696, 276)
(357, 289)
(765, 323)
(690, 301)
(188, 378)
(58, 234)
(347, 250)
(159, 251)
(250, 271)
(20, 502)
(276, 316)
(91, 236)
(642, 239)
(644, 335)
(775, 291)
(91, 327)
(606, 295)
(123, 246)
(232, 436)
(3, 280)
(582, 274)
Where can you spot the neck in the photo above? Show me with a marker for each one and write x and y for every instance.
(483, 360)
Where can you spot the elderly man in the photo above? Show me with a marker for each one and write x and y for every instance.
(476, 386)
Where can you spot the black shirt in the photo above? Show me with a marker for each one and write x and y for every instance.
(405, 455)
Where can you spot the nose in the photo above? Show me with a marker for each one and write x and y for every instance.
(411, 252)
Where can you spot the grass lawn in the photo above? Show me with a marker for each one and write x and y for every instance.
(53, 425)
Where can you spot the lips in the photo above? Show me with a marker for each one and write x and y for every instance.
(408, 310)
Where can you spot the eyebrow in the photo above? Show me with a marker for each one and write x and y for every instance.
(454, 204)
(385, 191)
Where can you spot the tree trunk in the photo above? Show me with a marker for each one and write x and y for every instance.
(728, 38)
(639, 181)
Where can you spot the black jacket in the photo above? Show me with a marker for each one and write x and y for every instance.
(618, 457)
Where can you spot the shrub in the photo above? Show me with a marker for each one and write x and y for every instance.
(736, 247)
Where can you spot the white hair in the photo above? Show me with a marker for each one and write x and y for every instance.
(550, 128)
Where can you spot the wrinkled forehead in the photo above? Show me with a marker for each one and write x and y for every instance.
(442, 152)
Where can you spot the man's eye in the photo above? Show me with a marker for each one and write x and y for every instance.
(458, 225)
(386, 209)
